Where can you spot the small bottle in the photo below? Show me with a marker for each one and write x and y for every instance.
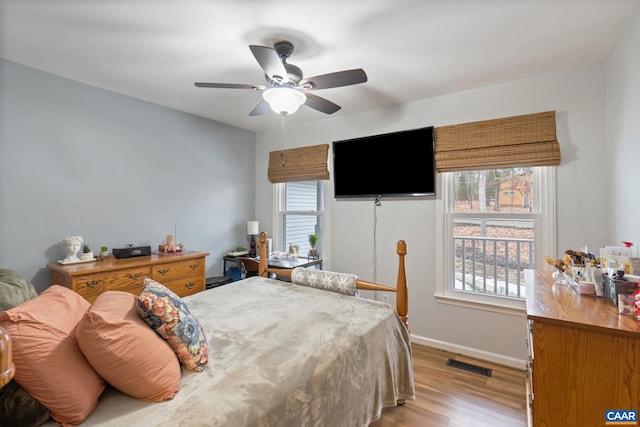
(627, 266)
(588, 272)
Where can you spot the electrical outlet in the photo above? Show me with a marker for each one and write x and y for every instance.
(385, 298)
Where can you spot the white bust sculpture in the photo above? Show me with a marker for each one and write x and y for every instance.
(72, 244)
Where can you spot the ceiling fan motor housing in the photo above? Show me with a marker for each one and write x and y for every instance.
(294, 75)
(284, 49)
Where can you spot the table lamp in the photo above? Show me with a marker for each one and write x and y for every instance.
(253, 230)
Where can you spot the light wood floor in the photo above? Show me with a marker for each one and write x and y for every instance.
(452, 397)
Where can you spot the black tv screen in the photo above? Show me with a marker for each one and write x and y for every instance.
(398, 164)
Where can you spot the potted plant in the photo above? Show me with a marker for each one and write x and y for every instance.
(104, 251)
(313, 241)
(86, 252)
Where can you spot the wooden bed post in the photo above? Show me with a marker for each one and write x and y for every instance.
(402, 300)
(402, 294)
(262, 269)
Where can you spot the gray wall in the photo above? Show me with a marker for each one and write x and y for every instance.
(76, 160)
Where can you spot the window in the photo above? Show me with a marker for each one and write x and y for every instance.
(497, 223)
(301, 213)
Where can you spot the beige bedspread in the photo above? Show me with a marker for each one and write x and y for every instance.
(282, 355)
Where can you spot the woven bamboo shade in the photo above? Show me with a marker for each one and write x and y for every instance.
(528, 140)
(299, 164)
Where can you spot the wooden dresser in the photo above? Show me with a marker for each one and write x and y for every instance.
(584, 357)
(184, 274)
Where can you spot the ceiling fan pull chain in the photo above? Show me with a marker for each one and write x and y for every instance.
(282, 128)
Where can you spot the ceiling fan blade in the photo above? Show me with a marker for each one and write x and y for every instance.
(321, 104)
(337, 79)
(270, 62)
(260, 109)
(230, 86)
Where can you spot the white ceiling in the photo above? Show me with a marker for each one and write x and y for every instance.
(155, 50)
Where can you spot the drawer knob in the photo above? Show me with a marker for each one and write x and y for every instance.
(163, 271)
(194, 266)
(135, 276)
(190, 285)
(93, 283)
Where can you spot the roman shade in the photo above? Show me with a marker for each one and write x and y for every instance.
(527, 140)
(299, 164)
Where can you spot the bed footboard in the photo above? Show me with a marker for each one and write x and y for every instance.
(402, 294)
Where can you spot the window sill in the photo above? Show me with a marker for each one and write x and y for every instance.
(476, 302)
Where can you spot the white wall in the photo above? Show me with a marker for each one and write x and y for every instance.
(623, 121)
(76, 160)
(578, 97)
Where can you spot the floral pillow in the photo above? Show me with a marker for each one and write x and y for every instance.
(169, 316)
(342, 283)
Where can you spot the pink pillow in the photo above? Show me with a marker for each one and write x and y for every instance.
(125, 351)
(49, 364)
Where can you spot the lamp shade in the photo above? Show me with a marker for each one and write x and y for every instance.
(284, 100)
(253, 228)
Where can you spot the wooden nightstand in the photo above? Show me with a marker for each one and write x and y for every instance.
(184, 274)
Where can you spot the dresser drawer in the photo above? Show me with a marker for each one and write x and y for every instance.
(186, 286)
(529, 372)
(96, 283)
(184, 274)
(174, 270)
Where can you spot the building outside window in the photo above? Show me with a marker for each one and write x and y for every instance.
(497, 224)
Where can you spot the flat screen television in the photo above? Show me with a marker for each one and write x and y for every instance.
(398, 164)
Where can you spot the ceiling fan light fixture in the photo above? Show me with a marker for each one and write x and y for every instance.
(284, 100)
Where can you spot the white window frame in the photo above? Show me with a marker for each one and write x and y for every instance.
(279, 203)
(544, 235)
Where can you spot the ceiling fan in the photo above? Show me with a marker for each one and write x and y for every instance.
(287, 89)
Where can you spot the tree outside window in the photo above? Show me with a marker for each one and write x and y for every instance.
(492, 216)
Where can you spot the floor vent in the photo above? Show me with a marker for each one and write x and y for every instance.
(485, 372)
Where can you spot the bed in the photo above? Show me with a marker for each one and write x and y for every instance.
(284, 354)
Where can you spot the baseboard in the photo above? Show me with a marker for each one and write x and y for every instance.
(471, 352)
